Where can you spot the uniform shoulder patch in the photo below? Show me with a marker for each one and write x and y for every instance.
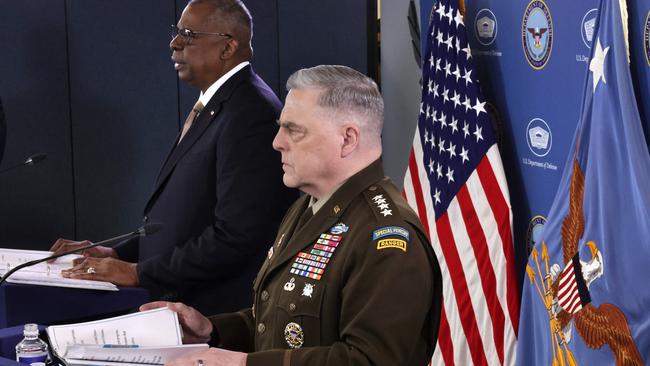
(391, 243)
(390, 231)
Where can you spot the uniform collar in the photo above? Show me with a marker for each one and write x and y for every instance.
(329, 214)
(340, 198)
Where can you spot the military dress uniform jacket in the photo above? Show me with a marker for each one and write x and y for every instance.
(357, 284)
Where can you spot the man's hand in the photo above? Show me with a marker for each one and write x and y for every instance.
(103, 269)
(64, 245)
(211, 357)
(196, 327)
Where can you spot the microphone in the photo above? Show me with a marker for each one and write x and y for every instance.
(147, 229)
(34, 159)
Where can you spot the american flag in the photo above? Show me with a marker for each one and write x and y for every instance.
(456, 183)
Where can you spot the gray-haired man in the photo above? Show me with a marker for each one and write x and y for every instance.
(351, 278)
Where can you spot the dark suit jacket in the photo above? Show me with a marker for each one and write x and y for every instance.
(220, 197)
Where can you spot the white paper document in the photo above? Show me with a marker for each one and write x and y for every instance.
(151, 337)
(99, 355)
(45, 274)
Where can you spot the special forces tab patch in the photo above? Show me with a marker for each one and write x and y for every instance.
(391, 243)
(390, 231)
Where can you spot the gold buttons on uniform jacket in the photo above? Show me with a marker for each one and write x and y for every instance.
(265, 295)
(261, 328)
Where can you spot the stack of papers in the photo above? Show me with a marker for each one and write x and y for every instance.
(150, 337)
(45, 274)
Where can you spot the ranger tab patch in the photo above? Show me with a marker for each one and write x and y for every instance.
(391, 243)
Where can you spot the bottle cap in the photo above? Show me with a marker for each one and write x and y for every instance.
(30, 330)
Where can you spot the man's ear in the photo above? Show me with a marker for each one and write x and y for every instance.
(232, 45)
(351, 137)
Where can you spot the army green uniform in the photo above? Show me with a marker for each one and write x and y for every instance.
(357, 284)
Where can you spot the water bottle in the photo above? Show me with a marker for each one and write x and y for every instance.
(31, 349)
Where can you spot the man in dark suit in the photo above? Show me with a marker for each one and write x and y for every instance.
(219, 193)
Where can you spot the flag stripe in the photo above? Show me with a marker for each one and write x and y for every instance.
(459, 283)
(501, 212)
(417, 187)
(489, 225)
(444, 340)
(487, 278)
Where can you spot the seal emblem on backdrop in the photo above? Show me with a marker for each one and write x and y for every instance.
(485, 27)
(537, 34)
(587, 26)
(534, 232)
(539, 137)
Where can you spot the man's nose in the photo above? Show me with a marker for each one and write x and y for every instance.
(277, 141)
(175, 44)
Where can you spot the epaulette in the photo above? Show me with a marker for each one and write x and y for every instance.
(392, 231)
(381, 204)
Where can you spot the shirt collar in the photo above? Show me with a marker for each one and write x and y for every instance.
(209, 93)
(317, 204)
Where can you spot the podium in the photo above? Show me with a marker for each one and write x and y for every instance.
(20, 304)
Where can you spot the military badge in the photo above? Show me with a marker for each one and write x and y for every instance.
(391, 243)
(308, 290)
(294, 335)
(290, 285)
(339, 228)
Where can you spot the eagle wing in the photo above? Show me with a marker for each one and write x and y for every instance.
(607, 325)
(573, 225)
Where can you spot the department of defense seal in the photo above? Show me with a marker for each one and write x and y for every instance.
(537, 34)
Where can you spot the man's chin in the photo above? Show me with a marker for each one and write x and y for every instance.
(289, 181)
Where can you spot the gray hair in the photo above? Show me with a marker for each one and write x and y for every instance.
(345, 91)
(233, 12)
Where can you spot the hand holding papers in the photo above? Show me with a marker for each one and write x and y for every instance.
(150, 337)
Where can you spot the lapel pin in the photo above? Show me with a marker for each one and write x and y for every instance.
(308, 290)
(290, 285)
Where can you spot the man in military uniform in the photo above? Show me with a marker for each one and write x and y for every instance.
(351, 278)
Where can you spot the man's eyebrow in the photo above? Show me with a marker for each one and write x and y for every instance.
(289, 124)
